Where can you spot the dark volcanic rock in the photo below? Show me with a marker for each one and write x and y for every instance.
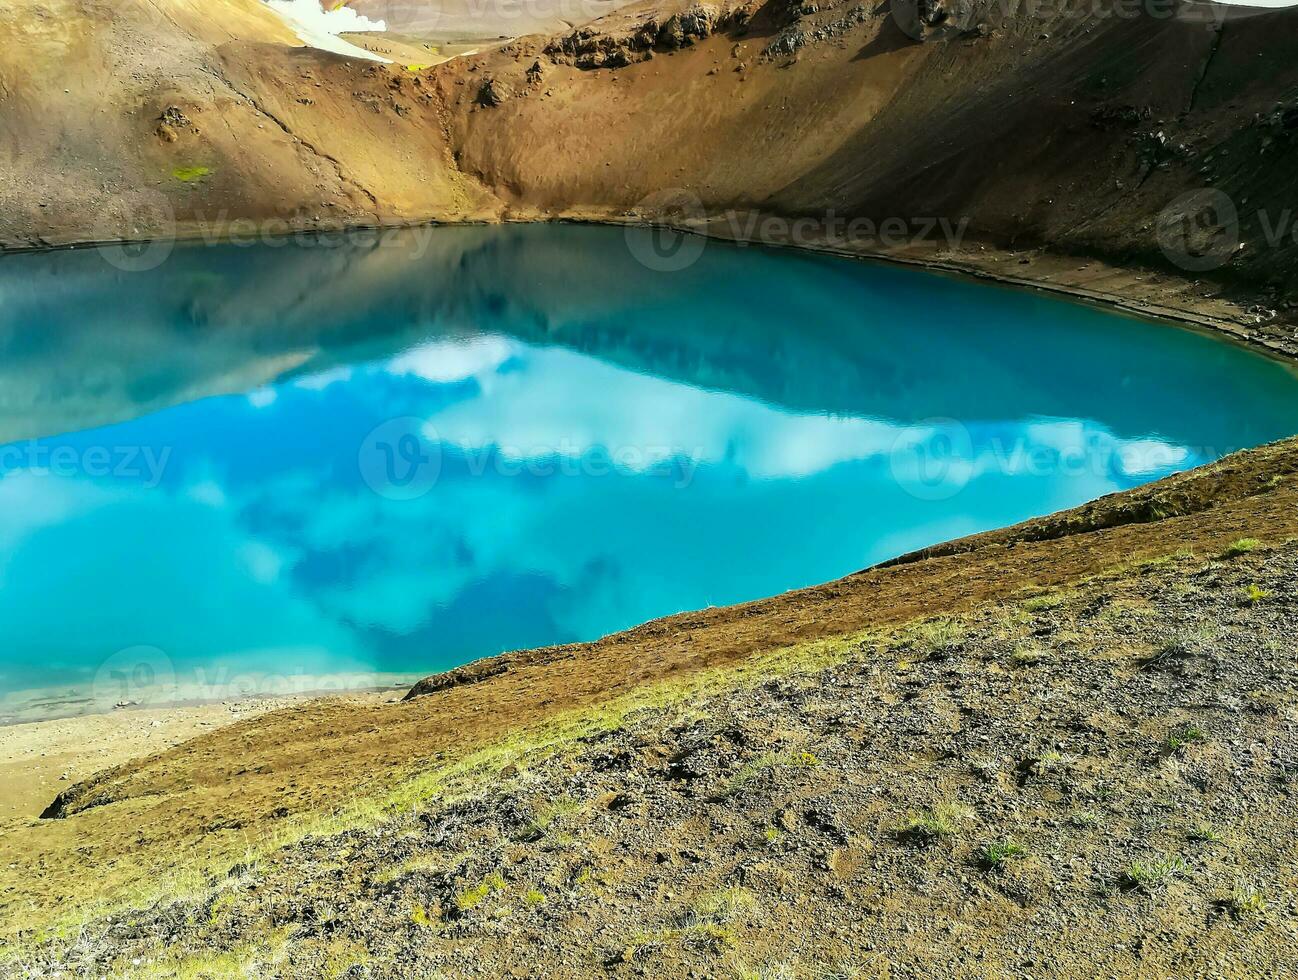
(473, 673)
(493, 92)
(933, 20)
(587, 48)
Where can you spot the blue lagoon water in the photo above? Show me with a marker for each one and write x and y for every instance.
(254, 466)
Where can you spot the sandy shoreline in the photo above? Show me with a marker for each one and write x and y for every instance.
(40, 759)
(70, 701)
(42, 755)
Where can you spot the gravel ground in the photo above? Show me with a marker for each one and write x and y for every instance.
(1086, 782)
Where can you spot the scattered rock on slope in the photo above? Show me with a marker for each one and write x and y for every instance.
(588, 47)
(171, 123)
(933, 20)
(493, 92)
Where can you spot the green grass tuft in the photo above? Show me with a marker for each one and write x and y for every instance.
(1149, 876)
(999, 853)
(533, 898)
(938, 638)
(471, 898)
(1203, 832)
(1041, 603)
(414, 865)
(1048, 762)
(766, 762)
(943, 820)
(1254, 594)
(1027, 655)
(546, 817)
(255, 958)
(1246, 900)
(722, 906)
(1241, 547)
(1177, 741)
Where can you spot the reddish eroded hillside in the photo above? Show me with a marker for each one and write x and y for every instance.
(1075, 134)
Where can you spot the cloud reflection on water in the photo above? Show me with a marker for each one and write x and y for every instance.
(613, 445)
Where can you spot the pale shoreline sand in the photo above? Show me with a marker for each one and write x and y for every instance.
(42, 757)
(105, 694)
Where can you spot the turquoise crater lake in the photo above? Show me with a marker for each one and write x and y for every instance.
(289, 465)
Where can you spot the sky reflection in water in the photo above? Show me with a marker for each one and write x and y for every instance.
(298, 461)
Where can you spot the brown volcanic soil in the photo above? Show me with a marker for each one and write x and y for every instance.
(40, 759)
(266, 130)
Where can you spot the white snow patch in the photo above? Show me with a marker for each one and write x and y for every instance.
(320, 28)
